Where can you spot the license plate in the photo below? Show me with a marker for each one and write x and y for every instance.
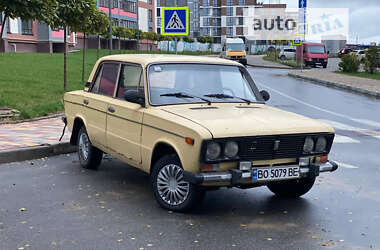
(275, 173)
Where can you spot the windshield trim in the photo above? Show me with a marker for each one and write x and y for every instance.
(248, 77)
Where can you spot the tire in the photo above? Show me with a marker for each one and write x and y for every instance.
(292, 189)
(283, 58)
(324, 65)
(169, 188)
(89, 156)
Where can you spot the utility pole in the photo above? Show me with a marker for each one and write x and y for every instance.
(110, 28)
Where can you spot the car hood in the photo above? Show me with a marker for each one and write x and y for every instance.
(232, 120)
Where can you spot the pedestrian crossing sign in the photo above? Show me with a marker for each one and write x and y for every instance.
(175, 21)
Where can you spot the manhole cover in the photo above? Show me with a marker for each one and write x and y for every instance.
(6, 112)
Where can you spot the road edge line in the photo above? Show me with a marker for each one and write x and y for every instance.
(31, 153)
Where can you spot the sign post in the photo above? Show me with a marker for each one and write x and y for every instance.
(175, 22)
(302, 4)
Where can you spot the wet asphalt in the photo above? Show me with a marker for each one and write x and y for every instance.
(54, 204)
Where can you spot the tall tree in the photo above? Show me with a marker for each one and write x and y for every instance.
(71, 13)
(42, 10)
(118, 32)
(100, 23)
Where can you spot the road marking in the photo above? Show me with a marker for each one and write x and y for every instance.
(362, 121)
(344, 139)
(368, 122)
(344, 165)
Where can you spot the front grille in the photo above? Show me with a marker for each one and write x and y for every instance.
(269, 147)
(262, 148)
(318, 60)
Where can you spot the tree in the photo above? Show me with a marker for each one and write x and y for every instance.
(201, 39)
(42, 10)
(71, 13)
(371, 60)
(151, 36)
(100, 23)
(137, 34)
(118, 32)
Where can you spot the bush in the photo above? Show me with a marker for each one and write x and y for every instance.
(371, 60)
(349, 63)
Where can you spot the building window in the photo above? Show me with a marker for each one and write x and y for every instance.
(115, 4)
(216, 12)
(8, 26)
(181, 3)
(229, 11)
(158, 3)
(205, 12)
(241, 2)
(129, 6)
(206, 2)
(150, 1)
(240, 21)
(206, 21)
(158, 22)
(229, 31)
(150, 15)
(115, 21)
(27, 27)
(103, 3)
(216, 31)
(215, 3)
(230, 2)
(229, 21)
(158, 30)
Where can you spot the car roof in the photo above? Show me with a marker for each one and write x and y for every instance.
(145, 59)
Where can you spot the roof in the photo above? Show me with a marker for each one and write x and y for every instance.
(145, 59)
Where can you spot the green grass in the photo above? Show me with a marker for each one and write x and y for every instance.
(33, 82)
(290, 63)
(375, 76)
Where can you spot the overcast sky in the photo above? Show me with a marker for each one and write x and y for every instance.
(364, 16)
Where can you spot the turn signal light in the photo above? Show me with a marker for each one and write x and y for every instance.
(209, 167)
(324, 159)
(189, 140)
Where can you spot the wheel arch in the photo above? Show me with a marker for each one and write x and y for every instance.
(78, 123)
(160, 149)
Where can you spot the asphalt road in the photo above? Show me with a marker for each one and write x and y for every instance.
(54, 204)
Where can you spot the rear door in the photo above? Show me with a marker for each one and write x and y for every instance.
(97, 99)
(124, 119)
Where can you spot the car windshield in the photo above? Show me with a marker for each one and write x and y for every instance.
(235, 46)
(316, 49)
(198, 83)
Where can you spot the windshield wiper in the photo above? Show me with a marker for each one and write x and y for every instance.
(186, 95)
(224, 96)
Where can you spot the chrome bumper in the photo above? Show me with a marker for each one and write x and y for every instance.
(236, 177)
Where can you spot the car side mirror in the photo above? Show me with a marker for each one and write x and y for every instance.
(135, 96)
(265, 95)
(87, 84)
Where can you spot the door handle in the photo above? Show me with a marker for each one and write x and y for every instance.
(85, 101)
(111, 109)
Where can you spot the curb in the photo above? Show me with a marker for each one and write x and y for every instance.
(338, 85)
(269, 67)
(30, 153)
(33, 119)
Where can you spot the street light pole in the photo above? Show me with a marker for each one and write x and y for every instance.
(110, 28)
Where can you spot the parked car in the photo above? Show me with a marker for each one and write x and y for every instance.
(360, 54)
(194, 124)
(287, 54)
(313, 54)
(344, 51)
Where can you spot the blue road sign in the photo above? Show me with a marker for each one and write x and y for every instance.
(302, 3)
(175, 21)
(297, 42)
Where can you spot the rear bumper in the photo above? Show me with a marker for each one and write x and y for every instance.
(235, 177)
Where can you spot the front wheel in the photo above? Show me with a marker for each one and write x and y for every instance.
(292, 188)
(89, 156)
(171, 191)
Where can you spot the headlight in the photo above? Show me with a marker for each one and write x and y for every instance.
(309, 145)
(231, 149)
(213, 151)
(321, 144)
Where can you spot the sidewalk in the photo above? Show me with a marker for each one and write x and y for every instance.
(258, 61)
(34, 139)
(360, 85)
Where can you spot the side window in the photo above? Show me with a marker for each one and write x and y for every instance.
(108, 78)
(130, 78)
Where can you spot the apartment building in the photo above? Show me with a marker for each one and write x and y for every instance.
(32, 36)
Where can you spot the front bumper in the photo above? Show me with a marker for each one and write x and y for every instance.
(235, 177)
